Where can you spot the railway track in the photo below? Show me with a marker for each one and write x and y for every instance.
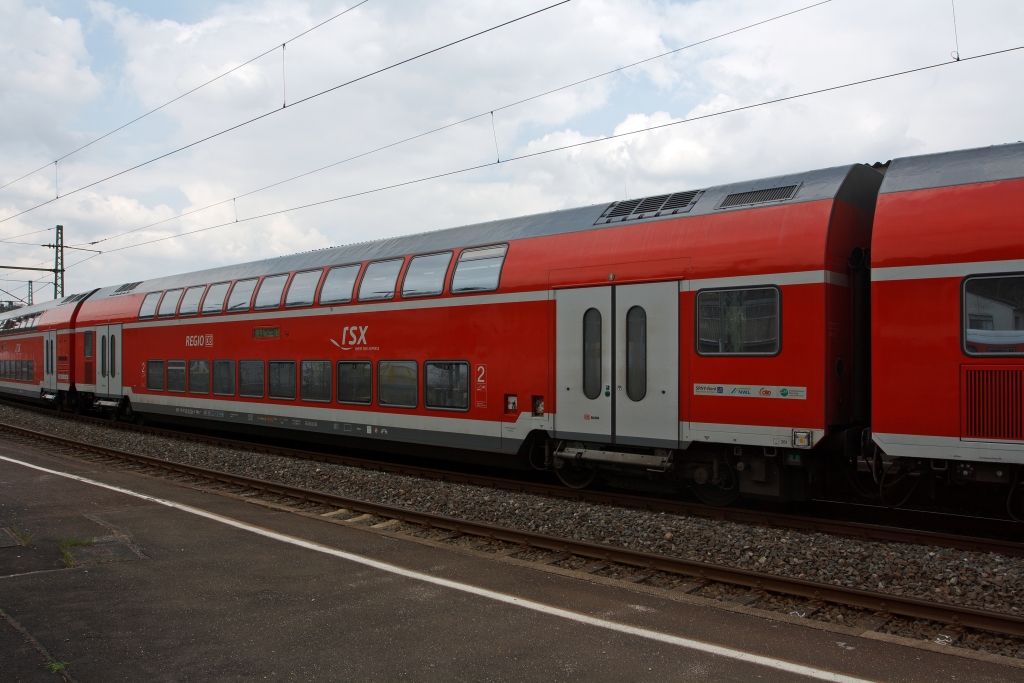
(882, 603)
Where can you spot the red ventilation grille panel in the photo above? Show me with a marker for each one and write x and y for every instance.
(993, 403)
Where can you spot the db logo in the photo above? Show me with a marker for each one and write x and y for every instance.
(586, 417)
(765, 392)
(352, 336)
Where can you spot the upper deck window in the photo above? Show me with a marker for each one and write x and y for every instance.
(303, 288)
(170, 304)
(425, 276)
(479, 270)
(271, 289)
(738, 322)
(190, 302)
(148, 309)
(993, 323)
(338, 285)
(241, 296)
(379, 281)
(214, 301)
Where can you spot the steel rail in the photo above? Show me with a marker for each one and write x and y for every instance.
(860, 530)
(883, 602)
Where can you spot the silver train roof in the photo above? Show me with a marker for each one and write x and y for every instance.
(963, 167)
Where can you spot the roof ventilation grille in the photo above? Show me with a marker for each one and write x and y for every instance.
(125, 288)
(650, 207)
(772, 194)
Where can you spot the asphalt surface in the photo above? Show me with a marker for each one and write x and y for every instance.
(162, 594)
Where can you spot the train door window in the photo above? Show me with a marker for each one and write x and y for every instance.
(199, 377)
(379, 280)
(993, 322)
(190, 302)
(479, 270)
(250, 378)
(46, 356)
(592, 353)
(355, 381)
(282, 379)
(315, 381)
(636, 353)
(303, 288)
(271, 289)
(103, 355)
(446, 385)
(241, 296)
(155, 375)
(176, 375)
(224, 377)
(169, 306)
(738, 322)
(338, 285)
(214, 301)
(113, 355)
(148, 309)
(396, 383)
(87, 345)
(425, 276)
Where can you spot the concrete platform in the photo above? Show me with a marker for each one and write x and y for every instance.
(170, 595)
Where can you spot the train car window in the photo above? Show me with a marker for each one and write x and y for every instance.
(636, 353)
(190, 302)
(214, 301)
(169, 306)
(479, 270)
(355, 382)
(241, 296)
(315, 381)
(88, 344)
(338, 285)
(31, 371)
(379, 280)
(176, 375)
(224, 377)
(302, 290)
(592, 353)
(148, 309)
(396, 383)
(155, 375)
(271, 289)
(250, 378)
(425, 276)
(282, 379)
(446, 385)
(113, 355)
(993, 323)
(738, 322)
(199, 377)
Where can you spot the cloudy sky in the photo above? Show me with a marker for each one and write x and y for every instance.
(72, 71)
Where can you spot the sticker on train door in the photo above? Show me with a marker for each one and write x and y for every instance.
(480, 383)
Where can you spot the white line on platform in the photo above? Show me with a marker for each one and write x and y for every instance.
(688, 643)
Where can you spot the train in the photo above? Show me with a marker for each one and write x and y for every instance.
(752, 340)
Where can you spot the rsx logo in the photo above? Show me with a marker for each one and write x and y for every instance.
(354, 335)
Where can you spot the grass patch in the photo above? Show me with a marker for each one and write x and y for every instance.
(65, 550)
(23, 536)
(56, 667)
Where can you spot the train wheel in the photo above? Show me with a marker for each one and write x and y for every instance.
(713, 494)
(574, 476)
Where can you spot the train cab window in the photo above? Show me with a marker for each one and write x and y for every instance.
(446, 385)
(148, 309)
(282, 379)
(303, 288)
(379, 280)
(592, 353)
(155, 375)
(396, 383)
(224, 378)
(241, 296)
(338, 285)
(214, 301)
(425, 276)
(636, 353)
(993, 323)
(738, 322)
(169, 306)
(271, 289)
(176, 375)
(479, 270)
(355, 382)
(250, 378)
(87, 346)
(190, 302)
(315, 381)
(199, 377)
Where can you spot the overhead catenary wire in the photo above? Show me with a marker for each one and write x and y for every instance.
(458, 123)
(183, 95)
(292, 106)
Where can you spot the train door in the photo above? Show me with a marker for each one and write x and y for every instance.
(108, 360)
(617, 355)
(50, 361)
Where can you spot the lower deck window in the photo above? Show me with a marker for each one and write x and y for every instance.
(316, 380)
(993, 322)
(282, 379)
(447, 385)
(355, 382)
(738, 322)
(175, 375)
(199, 377)
(250, 378)
(396, 383)
(155, 375)
(224, 377)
